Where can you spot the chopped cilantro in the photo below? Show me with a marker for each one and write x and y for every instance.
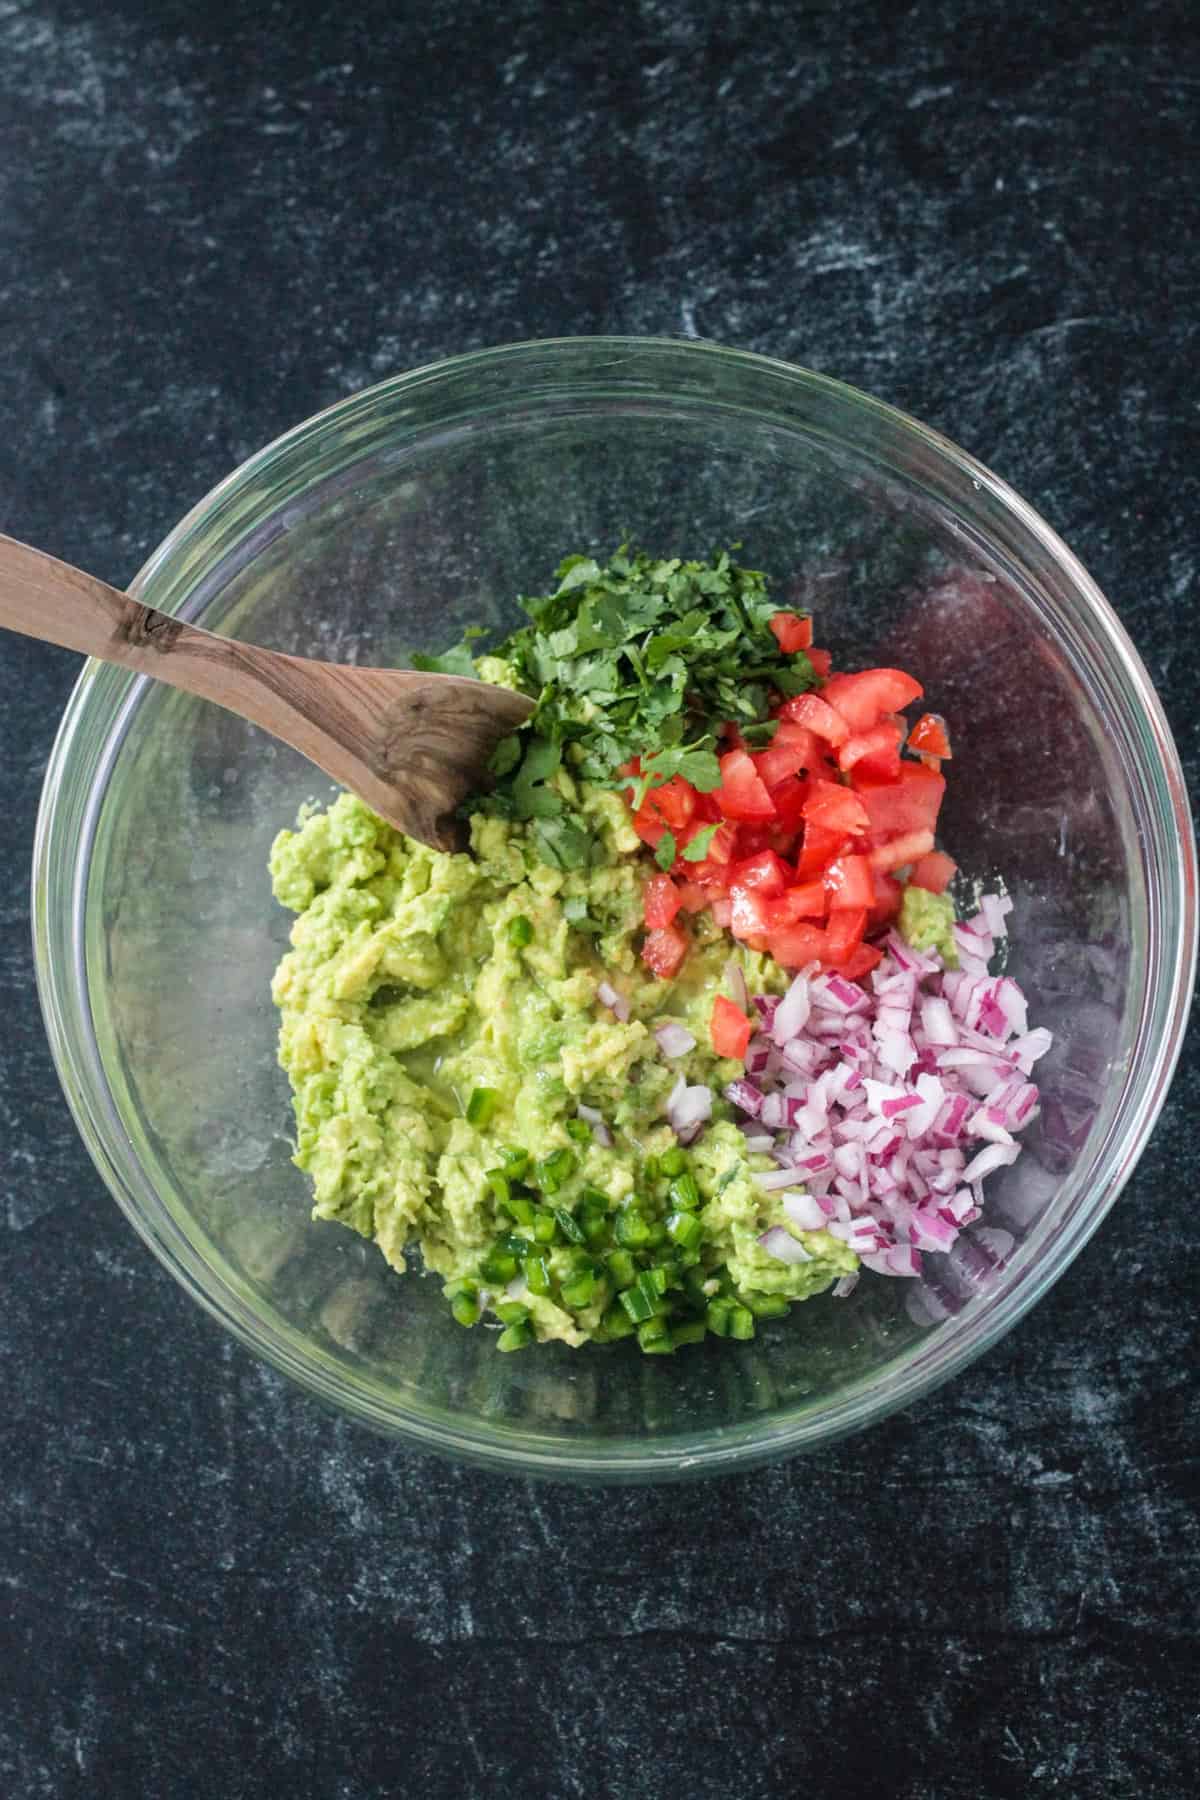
(665, 854)
(641, 657)
(458, 661)
(697, 849)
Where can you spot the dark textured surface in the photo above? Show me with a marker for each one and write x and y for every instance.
(215, 220)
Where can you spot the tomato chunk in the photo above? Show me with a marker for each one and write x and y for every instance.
(748, 914)
(692, 897)
(934, 872)
(792, 632)
(881, 742)
(861, 961)
(849, 884)
(929, 734)
(818, 715)
(793, 946)
(730, 1028)
(664, 951)
(660, 901)
(888, 897)
(836, 808)
(907, 849)
(793, 749)
(822, 662)
(909, 804)
(765, 873)
(862, 698)
(788, 798)
(844, 933)
(741, 794)
(820, 847)
(808, 900)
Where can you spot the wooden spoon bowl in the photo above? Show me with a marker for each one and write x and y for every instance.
(413, 746)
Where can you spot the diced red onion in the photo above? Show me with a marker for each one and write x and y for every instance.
(873, 1096)
(783, 1246)
(792, 1013)
(674, 1039)
(689, 1109)
(845, 1286)
(600, 1131)
(616, 1003)
(745, 1095)
(804, 1210)
(995, 909)
(773, 1179)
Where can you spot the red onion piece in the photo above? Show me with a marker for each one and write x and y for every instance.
(608, 996)
(783, 1246)
(600, 1131)
(674, 1039)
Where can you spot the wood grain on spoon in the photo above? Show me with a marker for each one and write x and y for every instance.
(413, 746)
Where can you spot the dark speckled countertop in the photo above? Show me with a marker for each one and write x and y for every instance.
(213, 221)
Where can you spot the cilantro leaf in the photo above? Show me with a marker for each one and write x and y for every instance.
(664, 855)
(459, 661)
(697, 849)
(640, 657)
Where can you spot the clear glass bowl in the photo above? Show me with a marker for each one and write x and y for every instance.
(423, 505)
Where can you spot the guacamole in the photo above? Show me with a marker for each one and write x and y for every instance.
(461, 1088)
(927, 923)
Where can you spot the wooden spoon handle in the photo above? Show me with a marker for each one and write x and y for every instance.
(412, 745)
(44, 598)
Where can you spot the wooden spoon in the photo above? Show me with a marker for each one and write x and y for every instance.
(412, 746)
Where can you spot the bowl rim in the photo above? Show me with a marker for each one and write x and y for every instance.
(63, 983)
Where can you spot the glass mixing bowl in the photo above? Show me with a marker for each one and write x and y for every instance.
(423, 505)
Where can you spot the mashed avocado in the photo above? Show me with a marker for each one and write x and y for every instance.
(441, 1030)
(927, 923)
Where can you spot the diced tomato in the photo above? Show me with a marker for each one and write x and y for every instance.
(664, 951)
(861, 698)
(848, 883)
(909, 804)
(660, 901)
(730, 1028)
(930, 735)
(822, 662)
(793, 749)
(722, 911)
(882, 766)
(820, 847)
(765, 873)
(692, 897)
(794, 945)
(753, 838)
(844, 933)
(809, 900)
(789, 797)
(881, 742)
(668, 807)
(741, 794)
(748, 913)
(934, 872)
(861, 961)
(818, 715)
(906, 849)
(837, 808)
(673, 801)
(792, 632)
(888, 897)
